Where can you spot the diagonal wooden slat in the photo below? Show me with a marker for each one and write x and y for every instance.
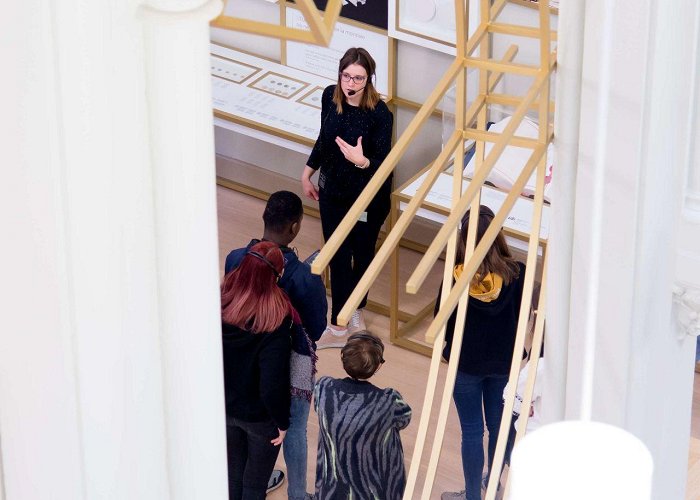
(399, 229)
(452, 221)
(384, 170)
(320, 27)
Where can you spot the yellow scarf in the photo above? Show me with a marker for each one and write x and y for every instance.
(486, 289)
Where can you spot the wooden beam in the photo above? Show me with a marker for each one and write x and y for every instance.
(264, 29)
(384, 170)
(513, 68)
(513, 101)
(398, 230)
(530, 266)
(535, 349)
(321, 28)
(485, 136)
(514, 29)
(470, 267)
(452, 221)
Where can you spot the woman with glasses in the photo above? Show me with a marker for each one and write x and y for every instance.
(355, 137)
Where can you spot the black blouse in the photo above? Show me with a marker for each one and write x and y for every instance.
(340, 178)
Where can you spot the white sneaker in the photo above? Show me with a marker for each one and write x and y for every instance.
(357, 322)
(332, 338)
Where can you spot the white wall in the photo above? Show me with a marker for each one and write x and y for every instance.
(629, 363)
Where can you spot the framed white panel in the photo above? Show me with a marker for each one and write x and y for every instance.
(230, 70)
(429, 23)
(276, 100)
(323, 61)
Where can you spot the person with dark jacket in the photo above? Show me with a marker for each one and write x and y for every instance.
(257, 322)
(354, 140)
(282, 221)
(495, 295)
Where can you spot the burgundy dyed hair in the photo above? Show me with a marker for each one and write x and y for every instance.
(250, 297)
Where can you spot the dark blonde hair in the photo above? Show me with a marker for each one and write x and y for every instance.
(498, 259)
(250, 297)
(370, 97)
(362, 355)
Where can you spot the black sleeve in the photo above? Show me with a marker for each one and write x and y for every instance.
(274, 375)
(313, 309)
(316, 155)
(380, 137)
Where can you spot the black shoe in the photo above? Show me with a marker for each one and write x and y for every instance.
(275, 481)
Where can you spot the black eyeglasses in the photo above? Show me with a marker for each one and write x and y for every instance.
(357, 79)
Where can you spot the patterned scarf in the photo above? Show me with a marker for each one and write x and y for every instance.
(302, 363)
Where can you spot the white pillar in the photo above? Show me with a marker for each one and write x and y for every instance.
(96, 401)
(560, 244)
(81, 403)
(627, 364)
(182, 151)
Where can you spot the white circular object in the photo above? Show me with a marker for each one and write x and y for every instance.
(581, 461)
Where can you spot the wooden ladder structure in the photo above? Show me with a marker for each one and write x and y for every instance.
(470, 124)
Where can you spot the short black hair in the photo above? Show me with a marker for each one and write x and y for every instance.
(283, 208)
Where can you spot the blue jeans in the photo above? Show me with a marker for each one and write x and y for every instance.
(471, 394)
(295, 449)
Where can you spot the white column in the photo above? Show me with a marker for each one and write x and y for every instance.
(182, 151)
(81, 408)
(627, 365)
(110, 369)
(560, 244)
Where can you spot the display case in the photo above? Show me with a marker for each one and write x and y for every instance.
(273, 100)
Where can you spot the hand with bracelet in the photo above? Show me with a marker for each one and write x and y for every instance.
(353, 154)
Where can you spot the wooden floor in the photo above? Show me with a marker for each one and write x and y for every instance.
(240, 219)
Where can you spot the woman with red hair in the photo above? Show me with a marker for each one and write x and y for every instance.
(257, 322)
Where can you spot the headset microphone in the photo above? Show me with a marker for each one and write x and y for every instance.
(353, 92)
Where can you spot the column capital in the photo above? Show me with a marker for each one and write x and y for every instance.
(182, 8)
(686, 309)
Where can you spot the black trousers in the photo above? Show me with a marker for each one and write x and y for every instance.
(357, 251)
(251, 457)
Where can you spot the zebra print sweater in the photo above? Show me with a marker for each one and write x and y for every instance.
(360, 456)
